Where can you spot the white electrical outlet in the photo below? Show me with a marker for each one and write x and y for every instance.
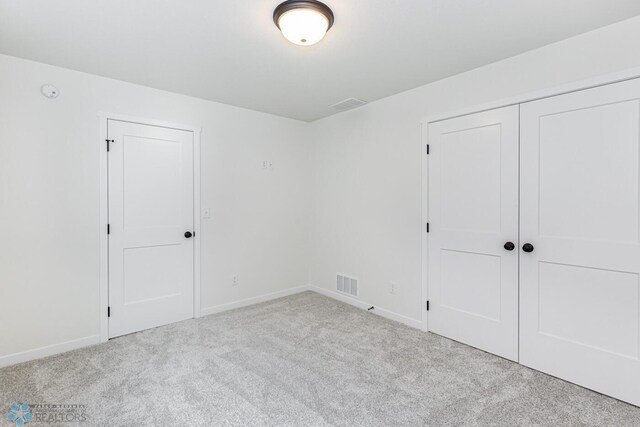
(206, 213)
(393, 288)
(234, 280)
(267, 164)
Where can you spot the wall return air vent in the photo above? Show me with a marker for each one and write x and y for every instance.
(347, 285)
(348, 104)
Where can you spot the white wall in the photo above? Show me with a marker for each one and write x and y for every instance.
(367, 201)
(344, 196)
(49, 199)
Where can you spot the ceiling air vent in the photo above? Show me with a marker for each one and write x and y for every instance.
(347, 285)
(348, 104)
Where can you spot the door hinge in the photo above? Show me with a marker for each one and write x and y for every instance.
(427, 305)
(427, 149)
(108, 228)
(109, 141)
(108, 311)
(427, 227)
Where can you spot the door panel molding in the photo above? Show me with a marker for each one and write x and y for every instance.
(608, 254)
(473, 212)
(580, 195)
(103, 118)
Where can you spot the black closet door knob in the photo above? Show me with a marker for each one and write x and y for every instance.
(509, 246)
(188, 234)
(527, 247)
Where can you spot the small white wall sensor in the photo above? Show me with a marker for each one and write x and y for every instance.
(49, 91)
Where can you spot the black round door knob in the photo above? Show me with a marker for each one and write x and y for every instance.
(527, 247)
(188, 234)
(509, 246)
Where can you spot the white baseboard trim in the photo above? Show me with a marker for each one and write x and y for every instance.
(49, 350)
(364, 305)
(250, 301)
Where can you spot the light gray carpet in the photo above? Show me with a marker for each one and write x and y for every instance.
(304, 360)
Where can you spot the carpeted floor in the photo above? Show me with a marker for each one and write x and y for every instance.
(303, 360)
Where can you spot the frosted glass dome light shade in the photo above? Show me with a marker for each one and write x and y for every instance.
(303, 22)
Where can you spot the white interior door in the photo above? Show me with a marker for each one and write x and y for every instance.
(579, 210)
(473, 214)
(150, 210)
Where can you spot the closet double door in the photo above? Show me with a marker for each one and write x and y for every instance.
(534, 243)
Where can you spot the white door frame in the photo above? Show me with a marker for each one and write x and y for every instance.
(104, 208)
(602, 80)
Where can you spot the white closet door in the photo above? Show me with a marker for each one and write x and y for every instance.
(579, 210)
(473, 213)
(150, 210)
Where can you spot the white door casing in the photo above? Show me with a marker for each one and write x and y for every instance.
(151, 206)
(580, 302)
(473, 213)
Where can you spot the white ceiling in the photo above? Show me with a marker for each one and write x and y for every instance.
(230, 51)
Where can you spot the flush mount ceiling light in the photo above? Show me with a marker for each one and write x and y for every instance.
(303, 22)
